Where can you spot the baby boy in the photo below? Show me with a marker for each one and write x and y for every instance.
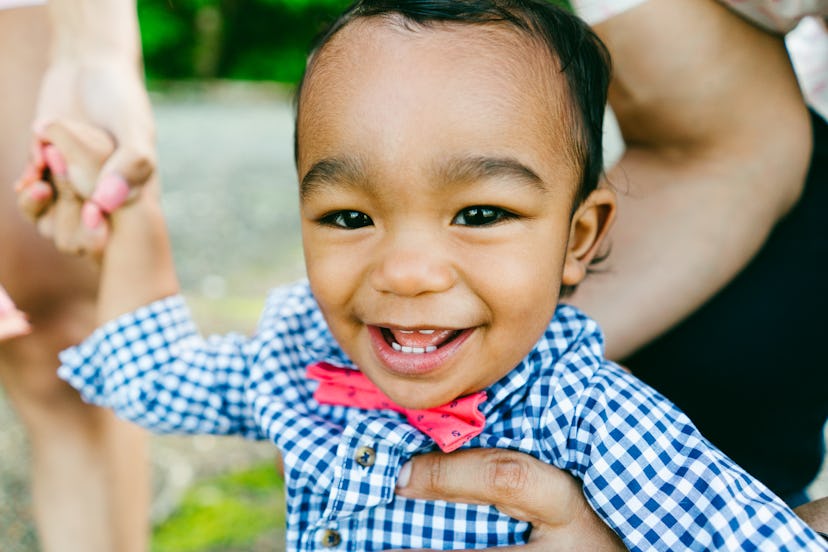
(448, 156)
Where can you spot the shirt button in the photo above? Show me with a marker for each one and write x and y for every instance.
(365, 457)
(330, 538)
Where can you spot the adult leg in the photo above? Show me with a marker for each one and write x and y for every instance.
(90, 471)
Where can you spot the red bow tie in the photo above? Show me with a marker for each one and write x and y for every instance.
(449, 425)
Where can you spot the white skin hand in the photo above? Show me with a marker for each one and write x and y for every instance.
(102, 90)
(71, 155)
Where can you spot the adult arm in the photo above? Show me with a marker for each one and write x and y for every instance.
(95, 75)
(718, 142)
(815, 514)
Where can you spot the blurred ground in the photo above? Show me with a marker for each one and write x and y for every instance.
(230, 196)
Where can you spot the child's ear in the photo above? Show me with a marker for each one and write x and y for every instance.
(590, 224)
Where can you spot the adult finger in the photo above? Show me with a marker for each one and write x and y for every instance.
(69, 234)
(516, 483)
(35, 198)
(67, 207)
(520, 486)
(13, 323)
(34, 194)
(124, 173)
(87, 147)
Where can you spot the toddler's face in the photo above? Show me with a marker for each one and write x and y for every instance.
(437, 187)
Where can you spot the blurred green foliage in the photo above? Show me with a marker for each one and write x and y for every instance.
(236, 39)
(229, 512)
(232, 39)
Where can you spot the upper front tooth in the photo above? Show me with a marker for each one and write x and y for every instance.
(426, 332)
(407, 331)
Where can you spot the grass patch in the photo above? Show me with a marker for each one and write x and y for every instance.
(225, 512)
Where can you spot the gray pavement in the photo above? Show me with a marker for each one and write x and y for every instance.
(230, 196)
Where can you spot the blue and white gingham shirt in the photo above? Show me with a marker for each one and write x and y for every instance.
(645, 468)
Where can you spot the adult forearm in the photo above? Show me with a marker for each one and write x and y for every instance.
(718, 145)
(685, 228)
(815, 514)
(94, 28)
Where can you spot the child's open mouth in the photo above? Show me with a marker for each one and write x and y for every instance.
(416, 351)
(418, 342)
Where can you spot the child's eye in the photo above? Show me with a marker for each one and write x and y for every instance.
(350, 220)
(481, 215)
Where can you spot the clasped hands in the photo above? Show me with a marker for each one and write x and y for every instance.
(67, 201)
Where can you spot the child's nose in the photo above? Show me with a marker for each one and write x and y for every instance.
(412, 265)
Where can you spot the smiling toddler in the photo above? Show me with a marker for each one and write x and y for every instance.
(448, 156)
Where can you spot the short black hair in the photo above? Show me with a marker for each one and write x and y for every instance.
(583, 58)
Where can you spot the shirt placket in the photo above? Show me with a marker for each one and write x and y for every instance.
(368, 459)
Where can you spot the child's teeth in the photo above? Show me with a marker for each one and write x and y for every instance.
(412, 350)
(426, 332)
(407, 331)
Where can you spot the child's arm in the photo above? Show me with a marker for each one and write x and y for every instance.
(147, 361)
(136, 264)
(657, 481)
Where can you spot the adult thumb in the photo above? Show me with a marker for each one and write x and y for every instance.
(121, 178)
(133, 164)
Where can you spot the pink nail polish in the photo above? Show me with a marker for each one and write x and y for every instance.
(91, 215)
(40, 191)
(55, 160)
(6, 304)
(111, 192)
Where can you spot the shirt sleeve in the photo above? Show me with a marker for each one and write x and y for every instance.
(153, 368)
(657, 482)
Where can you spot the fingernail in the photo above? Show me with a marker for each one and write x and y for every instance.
(405, 475)
(111, 192)
(40, 191)
(55, 160)
(6, 304)
(91, 215)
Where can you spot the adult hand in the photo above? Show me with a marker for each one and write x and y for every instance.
(67, 164)
(104, 89)
(518, 485)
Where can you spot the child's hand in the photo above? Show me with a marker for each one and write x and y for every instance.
(13, 323)
(58, 189)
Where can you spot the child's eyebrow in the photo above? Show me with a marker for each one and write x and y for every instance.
(349, 171)
(328, 171)
(465, 169)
